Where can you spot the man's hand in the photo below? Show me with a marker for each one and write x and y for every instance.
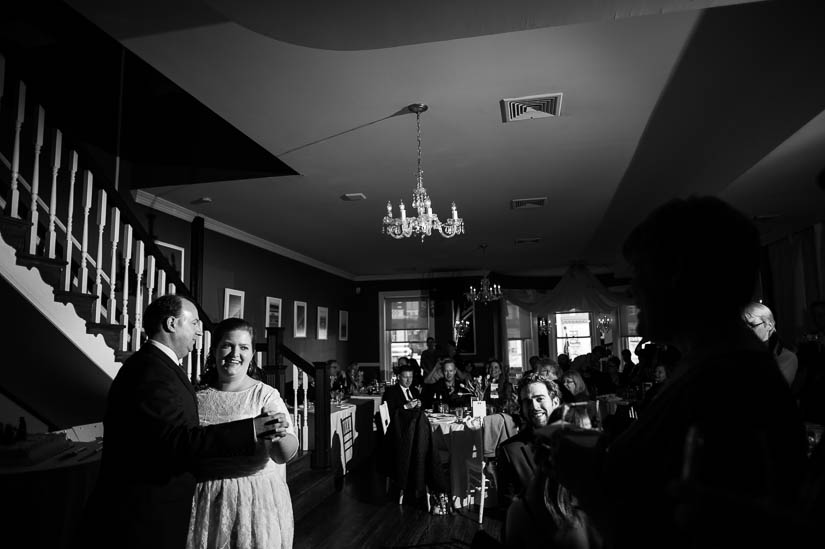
(272, 426)
(415, 403)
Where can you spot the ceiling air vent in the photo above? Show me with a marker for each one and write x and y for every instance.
(531, 106)
(527, 241)
(527, 203)
(352, 197)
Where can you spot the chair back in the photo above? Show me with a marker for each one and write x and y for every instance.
(384, 411)
(347, 438)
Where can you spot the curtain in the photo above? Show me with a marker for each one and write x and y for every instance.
(796, 264)
(578, 290)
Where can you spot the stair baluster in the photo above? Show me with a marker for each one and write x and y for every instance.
(150, 279)
(305, 418)
(161, 282)
(124, 307)
(84, 243)
(114, 237)
(57, 150)
(67, 273)
(14, 199)
(101, 228)
(139, 266)
(34, 215)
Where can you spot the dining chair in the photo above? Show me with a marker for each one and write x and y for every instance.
(346, 437)
(475, 471)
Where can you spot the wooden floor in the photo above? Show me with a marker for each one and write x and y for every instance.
(362, 515)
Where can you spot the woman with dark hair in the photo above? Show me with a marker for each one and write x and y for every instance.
(498, 389)
(241, 501)
(759, 319)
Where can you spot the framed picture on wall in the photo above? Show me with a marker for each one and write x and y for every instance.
(232, 303)
(299, 324)
(175, 255)
(343, 325)
(272, 315)
(323, 322)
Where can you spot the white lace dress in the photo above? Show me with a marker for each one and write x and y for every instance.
(241, 502)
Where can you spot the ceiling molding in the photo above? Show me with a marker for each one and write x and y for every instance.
(170, 208)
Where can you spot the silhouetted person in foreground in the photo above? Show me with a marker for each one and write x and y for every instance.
(694, 265)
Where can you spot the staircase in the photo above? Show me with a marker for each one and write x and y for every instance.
(76, 271)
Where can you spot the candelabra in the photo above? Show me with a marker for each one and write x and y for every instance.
(486, 293)
(544, 325)
(604, 322)
(461, 327)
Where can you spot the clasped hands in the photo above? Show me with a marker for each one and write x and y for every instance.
(271, 425)
(414, 403)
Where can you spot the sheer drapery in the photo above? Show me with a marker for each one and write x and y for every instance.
(578, 290)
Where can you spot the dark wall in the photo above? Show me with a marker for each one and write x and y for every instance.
(230, 263)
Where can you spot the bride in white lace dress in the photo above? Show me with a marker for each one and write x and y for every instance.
(241, 502)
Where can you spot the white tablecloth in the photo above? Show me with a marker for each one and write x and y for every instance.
(361, 412)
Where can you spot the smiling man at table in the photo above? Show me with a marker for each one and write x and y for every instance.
(515, 457)
(402, 395)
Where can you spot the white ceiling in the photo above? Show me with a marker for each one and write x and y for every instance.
(661, 99)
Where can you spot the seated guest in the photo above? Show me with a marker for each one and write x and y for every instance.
(564, 362)
(759, 319)
(356, 376)
(659, 378)
(402, 395)
(444, 386)
(515, 457)
(499, 389)
(339, 380)
(550, 368)
(577, 389)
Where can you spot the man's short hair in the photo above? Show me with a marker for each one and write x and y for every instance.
(538, 377)
(159, 310)
(406, 367)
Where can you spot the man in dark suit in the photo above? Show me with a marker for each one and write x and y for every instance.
(402, 396)
(153, 439)
(516, 456)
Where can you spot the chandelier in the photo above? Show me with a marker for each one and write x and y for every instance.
(604, 322)
(426, 221)
(486, 293)
(544, 325)
(461, 327)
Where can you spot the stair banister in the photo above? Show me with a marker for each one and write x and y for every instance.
(114, 239)
(69, 244)
(34, 215)
(124, 307)
(84, 239)
(14, 199)
(139, 267)
(57, 149)
(101, 228)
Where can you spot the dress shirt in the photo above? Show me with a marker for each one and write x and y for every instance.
(407, 394)
(166, 350)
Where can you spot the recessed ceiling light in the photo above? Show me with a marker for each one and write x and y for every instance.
(201, 200)
(352, 197)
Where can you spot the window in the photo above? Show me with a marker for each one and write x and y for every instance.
(405, 326)
(629, 321)
(519, 324)
(573, 334)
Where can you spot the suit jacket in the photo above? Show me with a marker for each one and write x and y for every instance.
(515, 465)
(152, 441)
(395, 399)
